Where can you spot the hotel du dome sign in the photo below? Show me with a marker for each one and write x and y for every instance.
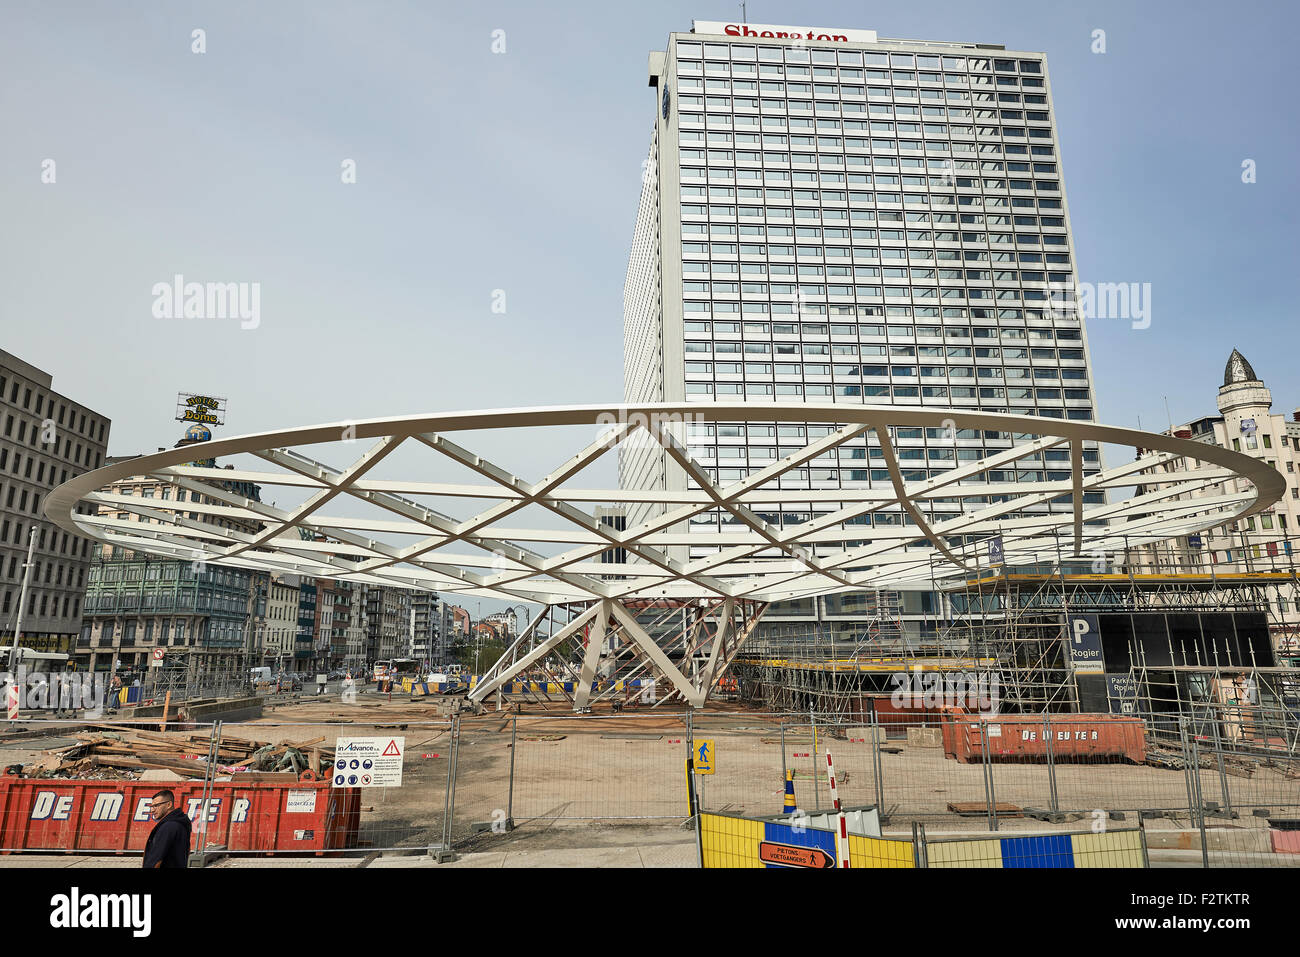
(206, 409)
(768, 31)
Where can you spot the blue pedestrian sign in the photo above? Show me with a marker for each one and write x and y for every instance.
(703, 755)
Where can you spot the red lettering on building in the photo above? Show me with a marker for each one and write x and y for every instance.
(743, 30)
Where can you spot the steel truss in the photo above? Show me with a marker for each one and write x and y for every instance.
(356, 523)
(603, 650)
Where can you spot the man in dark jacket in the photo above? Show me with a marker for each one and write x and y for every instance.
(169, 841)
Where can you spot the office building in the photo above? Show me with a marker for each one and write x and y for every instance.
(45, 440)
(849, 219)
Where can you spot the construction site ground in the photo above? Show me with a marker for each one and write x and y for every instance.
(610, 791)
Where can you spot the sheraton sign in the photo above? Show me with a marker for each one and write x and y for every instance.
(767, 31)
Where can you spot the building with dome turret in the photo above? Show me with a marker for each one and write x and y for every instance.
(1267, 542)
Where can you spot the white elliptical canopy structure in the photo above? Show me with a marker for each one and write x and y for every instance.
(352, 524)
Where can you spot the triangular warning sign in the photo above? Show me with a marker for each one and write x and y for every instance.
(392, 750)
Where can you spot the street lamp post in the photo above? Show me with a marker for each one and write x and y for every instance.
(22, 601)
(478, 635)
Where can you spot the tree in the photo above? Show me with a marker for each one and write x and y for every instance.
(487, 650)
(458, 647)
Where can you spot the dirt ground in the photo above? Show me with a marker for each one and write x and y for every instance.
(608, 778)
(604, 772)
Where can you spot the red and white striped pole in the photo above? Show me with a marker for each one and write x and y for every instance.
(841, 822)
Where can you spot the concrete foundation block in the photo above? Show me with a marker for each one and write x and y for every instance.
(924, 738)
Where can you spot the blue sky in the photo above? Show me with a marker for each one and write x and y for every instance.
(520, 172)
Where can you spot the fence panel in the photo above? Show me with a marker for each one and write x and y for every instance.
(1247, 769)
(920, 784)
(803, 739)
(401, 816)
(592, 767)
(747, 777)
(1144, 777)
(851, 745)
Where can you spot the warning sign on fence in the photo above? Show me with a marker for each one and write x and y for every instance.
(368, 762)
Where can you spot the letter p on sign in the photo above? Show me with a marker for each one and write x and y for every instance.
(1080, 629)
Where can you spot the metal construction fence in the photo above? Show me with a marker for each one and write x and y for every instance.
(175, 688)
(1219, 787)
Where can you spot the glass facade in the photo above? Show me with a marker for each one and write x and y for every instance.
(876, 223)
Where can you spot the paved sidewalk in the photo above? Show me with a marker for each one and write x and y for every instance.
(645, 855)
(679, 854)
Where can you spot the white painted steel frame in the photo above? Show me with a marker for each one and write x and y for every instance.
(756, 562)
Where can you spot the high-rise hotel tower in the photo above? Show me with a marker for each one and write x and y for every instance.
(828, 216)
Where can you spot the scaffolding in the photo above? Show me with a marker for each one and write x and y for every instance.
(1011, 621)
(842, 688)
(1017, 616)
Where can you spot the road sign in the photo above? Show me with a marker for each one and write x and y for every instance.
(374, 762)
(995, 550)
(156, 658)
(788, 855)
(1084, 639)
(703, 755)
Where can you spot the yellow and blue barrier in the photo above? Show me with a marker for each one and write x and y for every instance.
(1119, 848)
(127, 696)
(414, 685)
(729, 841)
(567, 687)
(790, 806)
(732, 841)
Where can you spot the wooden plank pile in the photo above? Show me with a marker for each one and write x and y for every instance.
(114, 752)
(981, 809)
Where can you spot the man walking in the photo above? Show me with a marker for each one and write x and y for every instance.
(169, 841)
